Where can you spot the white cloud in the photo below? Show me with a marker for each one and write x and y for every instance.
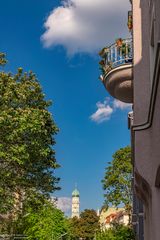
(106, 109)
(64, 204)
(86, 25)
(121, 105)
(103, 113)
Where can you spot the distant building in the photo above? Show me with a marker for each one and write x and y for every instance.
(75, 203)
(113, 215)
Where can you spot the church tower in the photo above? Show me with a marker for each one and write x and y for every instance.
(75, 203)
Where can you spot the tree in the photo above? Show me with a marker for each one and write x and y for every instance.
(75, 228)
(118, 232)
(89, 223)
(27, 129)
(117, 180)
(86, 226)
(47, 222)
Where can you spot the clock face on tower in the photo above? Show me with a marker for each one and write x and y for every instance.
(75, 200)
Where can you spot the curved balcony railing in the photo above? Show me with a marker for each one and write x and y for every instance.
(118, 54)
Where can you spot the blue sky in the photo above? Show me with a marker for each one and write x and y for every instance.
(66, 63)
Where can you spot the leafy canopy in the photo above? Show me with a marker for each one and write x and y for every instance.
(27, 129)
(117, 180)
(47, 222)
(86, 226)
(119, 232)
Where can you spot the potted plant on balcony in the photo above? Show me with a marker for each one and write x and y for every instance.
(130, 21)
(106, 68)
(125, 49)
(102, 66)
(126, 52)
(102, 63)
(104, 52)
(119, 42)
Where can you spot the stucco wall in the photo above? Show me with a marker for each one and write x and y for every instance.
(147, 116)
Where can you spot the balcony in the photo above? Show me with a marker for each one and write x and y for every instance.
(117, 70)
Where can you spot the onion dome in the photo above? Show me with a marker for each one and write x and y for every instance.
(75, 193)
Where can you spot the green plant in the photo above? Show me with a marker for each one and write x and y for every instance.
(117, 180)
(47, 222)
(104, 52)
(118, 232)
(27, 131)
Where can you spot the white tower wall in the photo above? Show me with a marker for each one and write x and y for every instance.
(75, 203)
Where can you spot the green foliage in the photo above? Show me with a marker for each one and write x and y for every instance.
(46, 223)
(27, 134)
(117, 180)
(89, 223)
(86, 226)
(3, 61)
(119, 232)
(75, 228)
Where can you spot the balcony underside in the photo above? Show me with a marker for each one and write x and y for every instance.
(119, 83)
